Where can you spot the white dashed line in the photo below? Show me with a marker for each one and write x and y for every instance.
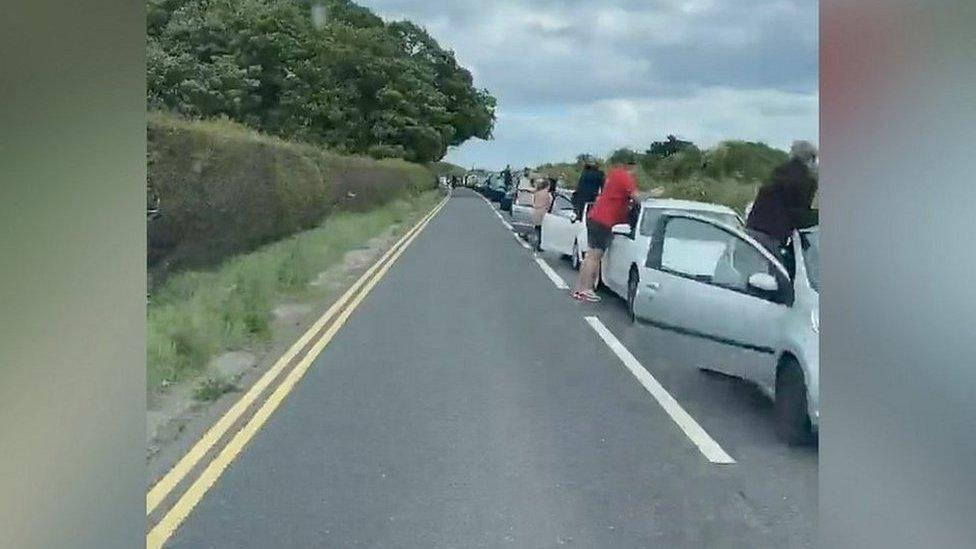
(507, 225)
(705, 443)
(553, 276)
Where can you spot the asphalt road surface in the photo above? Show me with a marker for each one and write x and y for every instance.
(468, 402)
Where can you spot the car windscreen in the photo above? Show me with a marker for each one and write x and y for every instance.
(651, 215)
(811, 256)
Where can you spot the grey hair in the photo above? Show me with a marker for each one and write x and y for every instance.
(803, 150)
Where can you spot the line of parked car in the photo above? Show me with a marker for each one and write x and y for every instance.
(692, 268)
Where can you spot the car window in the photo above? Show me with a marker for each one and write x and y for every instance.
(709, 254)
(693, 248)
(649, 222)
(740, 261)
(652, 215)
(561, 203)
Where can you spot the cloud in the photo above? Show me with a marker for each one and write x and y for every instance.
(533, 137)
(638, 64)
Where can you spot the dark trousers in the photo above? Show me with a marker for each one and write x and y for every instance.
(538, 238)
(769, 242)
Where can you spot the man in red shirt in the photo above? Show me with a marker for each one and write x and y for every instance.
(611, 207)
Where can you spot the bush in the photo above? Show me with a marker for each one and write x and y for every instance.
(728, 174)
(742, 160)
(224, 189)
(195, 315)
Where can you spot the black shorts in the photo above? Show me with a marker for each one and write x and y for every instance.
(597, 235)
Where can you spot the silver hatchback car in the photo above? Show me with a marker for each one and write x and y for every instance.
(710, 280)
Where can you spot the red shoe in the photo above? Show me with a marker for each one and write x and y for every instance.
(587, 296)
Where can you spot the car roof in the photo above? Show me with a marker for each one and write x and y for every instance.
(694, 205)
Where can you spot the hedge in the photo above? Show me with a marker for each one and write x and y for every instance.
(224, 189)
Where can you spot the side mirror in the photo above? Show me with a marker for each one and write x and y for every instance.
(763, 281)
(622, 229)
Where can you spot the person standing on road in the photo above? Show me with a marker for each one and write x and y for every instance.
(553, 185)
(541, 201)
(784, 203)
(589, 186)
(612, 206)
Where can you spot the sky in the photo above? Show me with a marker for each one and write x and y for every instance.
(591, 76)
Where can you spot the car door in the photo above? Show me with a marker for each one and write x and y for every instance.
(695, 281)
(558, 227)
(617, 258)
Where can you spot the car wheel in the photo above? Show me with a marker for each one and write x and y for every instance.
(576, 256)
(632, 283)
(792, 419)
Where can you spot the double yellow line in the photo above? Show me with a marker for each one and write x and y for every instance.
(340, 311)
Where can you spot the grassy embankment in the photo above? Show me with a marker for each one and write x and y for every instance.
(208, 304)
(728, 174)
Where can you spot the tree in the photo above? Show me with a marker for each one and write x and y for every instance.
(623, 156)
(358, 85)
(664, 149)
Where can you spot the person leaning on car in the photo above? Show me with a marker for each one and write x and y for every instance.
(589, 186)
(612, 207)
(784, 203)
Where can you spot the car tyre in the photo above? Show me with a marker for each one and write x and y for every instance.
(792, 419)
(632, 282)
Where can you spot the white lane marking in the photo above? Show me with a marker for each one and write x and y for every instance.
(553, 276)
(506, 223)
(705, 443)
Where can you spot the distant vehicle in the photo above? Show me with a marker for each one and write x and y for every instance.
(495, 187)
(475, 179)
(709, 279)
(629, 244)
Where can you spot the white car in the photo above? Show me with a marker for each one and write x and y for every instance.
(562, 232)
(711, 280)
(629, 246)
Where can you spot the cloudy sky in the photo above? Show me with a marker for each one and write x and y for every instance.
(576, 76)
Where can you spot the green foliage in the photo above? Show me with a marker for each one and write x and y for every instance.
(194, 315)
(623, 156)
(358, 85)
(672, 145)
(728, 174)
(224, 189)
(680, 165)
(743, 160)
(448, 169)
(213, 387)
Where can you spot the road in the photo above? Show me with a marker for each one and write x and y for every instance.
(467, 402)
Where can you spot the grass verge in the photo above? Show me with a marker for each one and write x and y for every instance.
(195, 315)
